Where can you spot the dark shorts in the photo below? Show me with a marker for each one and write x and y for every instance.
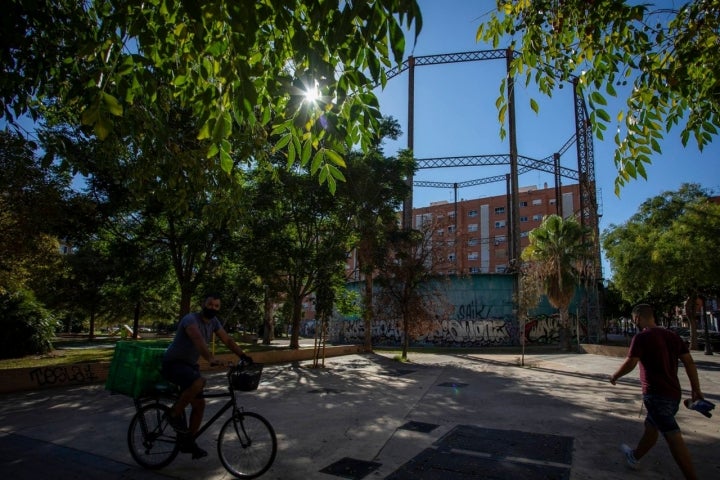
(661, 413)
(180, 373)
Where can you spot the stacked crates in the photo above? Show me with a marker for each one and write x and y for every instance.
(135, 368)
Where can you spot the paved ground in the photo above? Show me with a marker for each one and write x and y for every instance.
(367, 416)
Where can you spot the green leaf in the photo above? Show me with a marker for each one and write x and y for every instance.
(335, 158)
(112, 104)
(226, 162)
(598, 98)
(282, 143)
(534, 105)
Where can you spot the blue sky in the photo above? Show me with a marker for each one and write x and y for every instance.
(455, 115)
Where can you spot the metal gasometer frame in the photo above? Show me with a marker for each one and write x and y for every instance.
(584, 175)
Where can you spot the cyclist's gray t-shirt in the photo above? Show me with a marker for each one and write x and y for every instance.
(182, 349)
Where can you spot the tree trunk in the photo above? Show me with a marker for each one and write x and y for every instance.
(406, 334)
(185, 301)
(368, 312)
(565, 329)
(297, 312)
(268, 324)
(91, 335)
(136, 321)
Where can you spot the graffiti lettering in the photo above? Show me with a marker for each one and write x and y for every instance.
(472, 311)
(65, 374)
(466, 333)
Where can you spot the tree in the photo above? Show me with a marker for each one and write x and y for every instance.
(158, 194)
(665, 253)
(560, 250)
(33, 206)
(664, 61)
(376, 185)
(241, 66)
(296, 231)
(408, 287)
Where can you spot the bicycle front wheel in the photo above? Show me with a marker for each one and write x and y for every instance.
(152, 442)
(247, 445)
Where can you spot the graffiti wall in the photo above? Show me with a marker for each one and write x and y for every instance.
(482, 316)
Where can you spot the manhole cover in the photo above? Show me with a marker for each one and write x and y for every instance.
(419, 427)
(350, 468)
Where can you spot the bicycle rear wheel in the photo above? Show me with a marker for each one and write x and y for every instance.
(152, 442)
(247, 445)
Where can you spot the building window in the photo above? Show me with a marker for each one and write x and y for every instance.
(473, 256)
(500, 224)
(537, 201)
(500, 268)
(523, 219)
(440, 232)
(523, 204)
(537, 217)
(474, 269)
(500, 239)
(451, 214)
(473, 241)
(451, 228)
(524, 234)
(552, 201)
(472, 213)
(472, 227)
(451, 257)
(499, 210)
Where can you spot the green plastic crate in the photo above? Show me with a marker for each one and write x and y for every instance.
(135, 368)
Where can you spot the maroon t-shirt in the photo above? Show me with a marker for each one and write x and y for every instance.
(659, 350)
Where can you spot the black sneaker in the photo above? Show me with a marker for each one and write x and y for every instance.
(177, 423)
(189, 446)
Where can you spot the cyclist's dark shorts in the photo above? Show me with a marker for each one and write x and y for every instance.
(180, 373)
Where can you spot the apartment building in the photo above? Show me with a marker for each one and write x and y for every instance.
(473, 234)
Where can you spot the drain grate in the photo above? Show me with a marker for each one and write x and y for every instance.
(453, 384)
(326, 391)
(351, 468)
(419, 427)
(620, 400)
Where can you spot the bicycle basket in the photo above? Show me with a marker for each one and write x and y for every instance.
(247, 378)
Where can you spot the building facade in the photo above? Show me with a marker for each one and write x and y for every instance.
(474, 234)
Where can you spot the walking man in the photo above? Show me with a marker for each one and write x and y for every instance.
(658, 350)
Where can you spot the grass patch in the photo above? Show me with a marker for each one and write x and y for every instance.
(69, 351)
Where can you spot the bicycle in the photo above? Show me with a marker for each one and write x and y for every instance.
(246, 443)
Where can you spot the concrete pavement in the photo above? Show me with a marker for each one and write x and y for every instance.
(461, 416)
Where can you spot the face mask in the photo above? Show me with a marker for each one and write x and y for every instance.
(209, 312)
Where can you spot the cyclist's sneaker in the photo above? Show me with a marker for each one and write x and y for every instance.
(189, 446)
(177, 423)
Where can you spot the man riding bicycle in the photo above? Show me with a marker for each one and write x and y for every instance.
(180, 366)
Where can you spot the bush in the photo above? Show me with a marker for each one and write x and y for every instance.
(27, 327)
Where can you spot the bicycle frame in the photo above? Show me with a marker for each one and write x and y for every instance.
(161, 394)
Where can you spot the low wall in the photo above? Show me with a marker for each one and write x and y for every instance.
(607, 350)
(36, 378)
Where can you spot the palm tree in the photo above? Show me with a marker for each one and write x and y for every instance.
(559, 248)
